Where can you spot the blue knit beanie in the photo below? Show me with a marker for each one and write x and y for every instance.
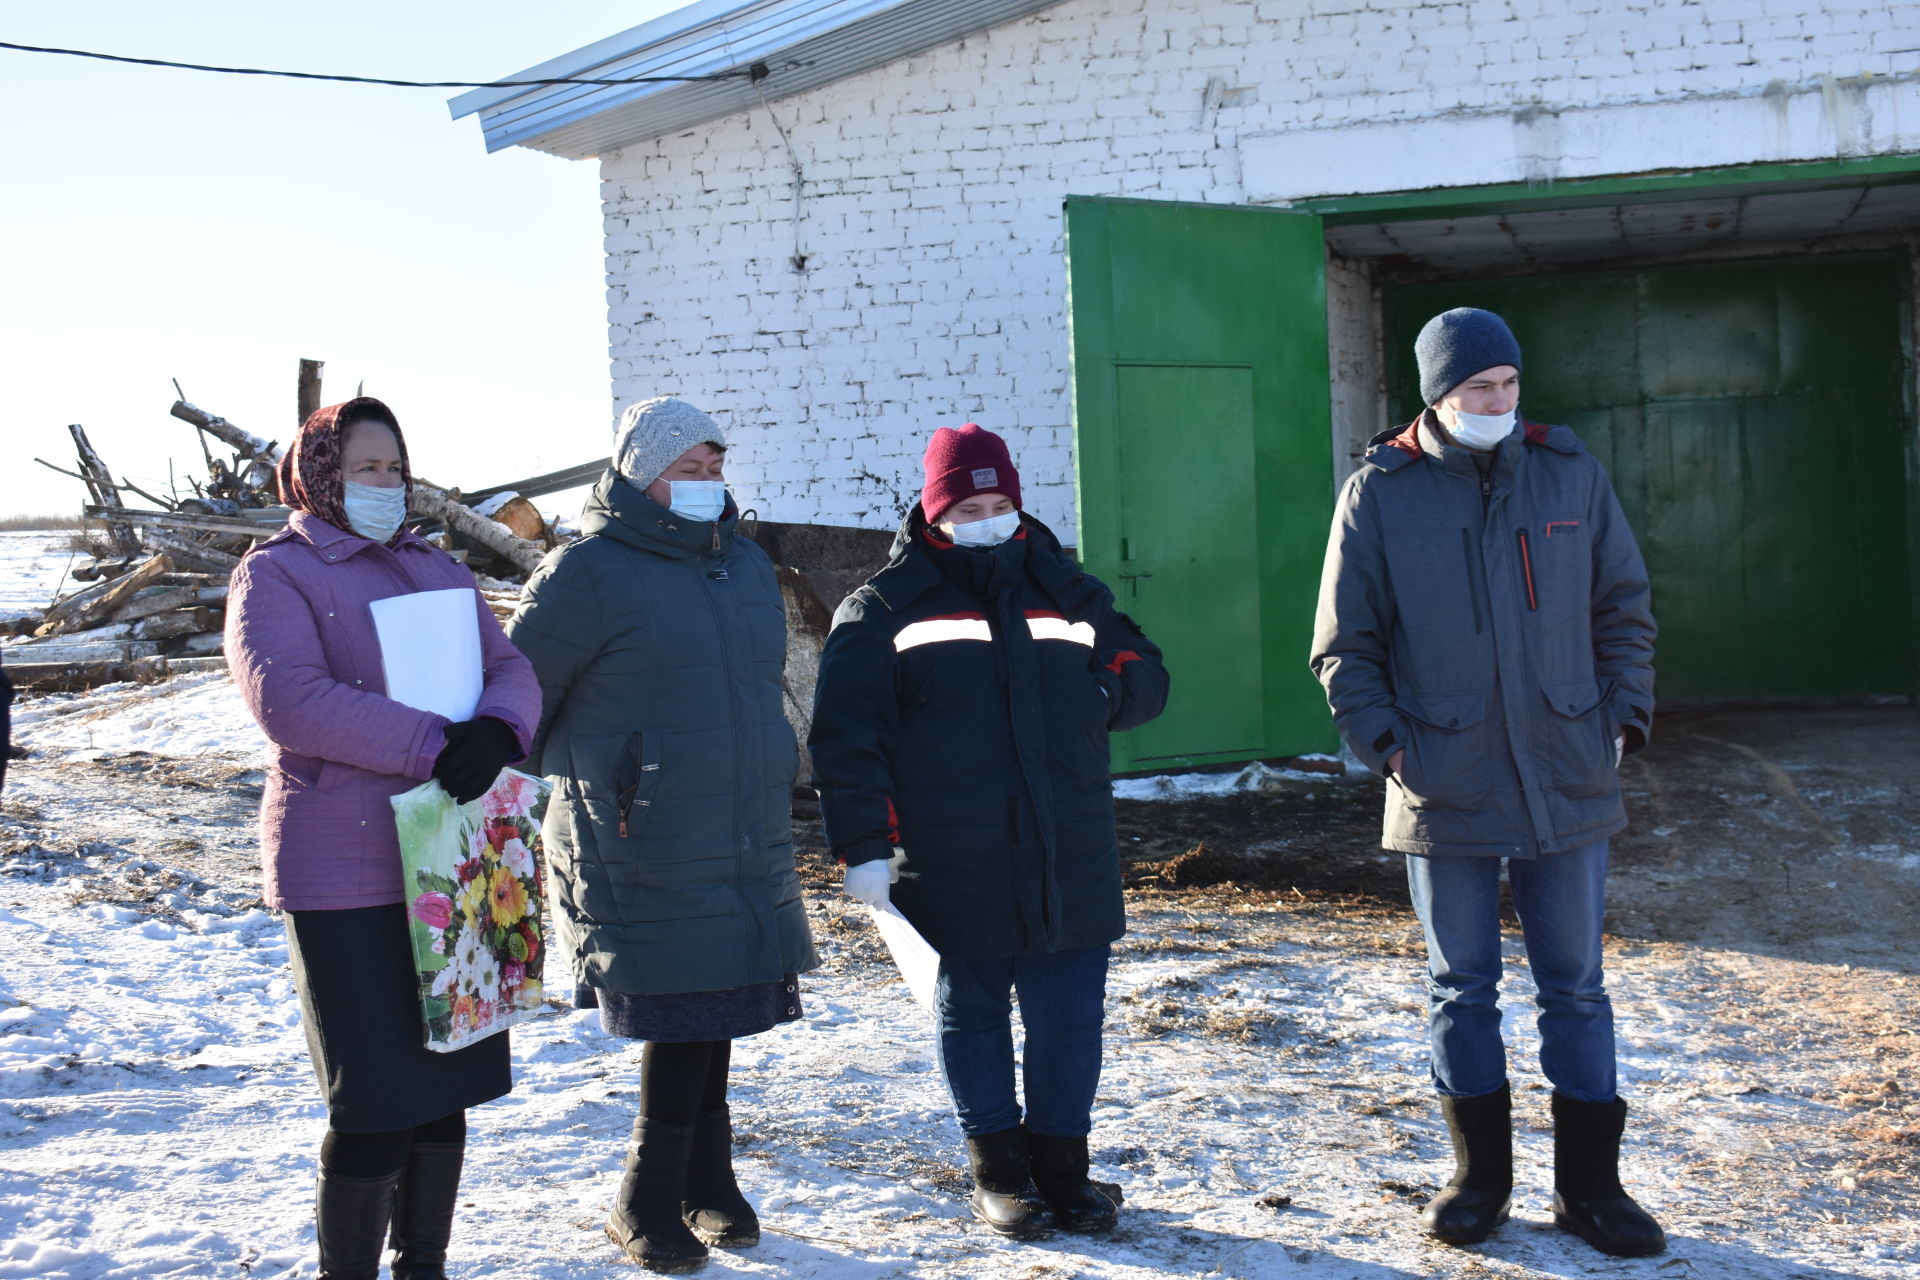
(1459, 343)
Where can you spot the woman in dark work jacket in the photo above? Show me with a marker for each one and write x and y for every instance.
(960, 731)
(660, 642)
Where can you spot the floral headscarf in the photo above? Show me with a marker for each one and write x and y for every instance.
(312, 475)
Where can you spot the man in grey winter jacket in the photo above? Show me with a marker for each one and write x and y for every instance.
(1486, 644)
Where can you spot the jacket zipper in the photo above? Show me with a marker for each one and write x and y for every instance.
(1526, 565)
(627, 798)
(1473, 579)
(726, 677)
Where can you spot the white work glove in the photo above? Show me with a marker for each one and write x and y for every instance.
(1619, 748)
(868, 882)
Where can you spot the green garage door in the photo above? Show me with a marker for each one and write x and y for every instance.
(1204, 453)
(1752, 416)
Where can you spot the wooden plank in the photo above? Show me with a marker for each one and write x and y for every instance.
(111, 651)
(100, 484)
(161, 600)
(551, 482)
(75, 676)
(98, 603)
(307, 392)
(184, 622)
(170, 520)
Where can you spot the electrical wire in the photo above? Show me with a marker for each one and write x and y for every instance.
(757, 72)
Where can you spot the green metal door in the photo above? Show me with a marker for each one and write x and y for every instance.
(1201, 440)
(1753, 417)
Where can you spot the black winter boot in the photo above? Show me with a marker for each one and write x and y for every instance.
(423, 1210)
(1060, 1168)
(1004, 1196)
(646, 1221)
(1588, 1199)
(714, 1208)
(1476, 1199)
(350, 1217)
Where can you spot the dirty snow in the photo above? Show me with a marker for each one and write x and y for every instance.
(1253, 777)
(1264, 1101)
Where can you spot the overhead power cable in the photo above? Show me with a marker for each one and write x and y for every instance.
(756, 72)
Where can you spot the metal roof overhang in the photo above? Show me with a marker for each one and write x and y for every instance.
(803, 43)
(1574, 229)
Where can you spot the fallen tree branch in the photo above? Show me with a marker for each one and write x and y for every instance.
(437, 503)
(185, 553)
(249, 445)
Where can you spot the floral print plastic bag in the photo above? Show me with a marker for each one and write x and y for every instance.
(475, 884)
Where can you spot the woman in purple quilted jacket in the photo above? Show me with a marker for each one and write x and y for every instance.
(303, 650)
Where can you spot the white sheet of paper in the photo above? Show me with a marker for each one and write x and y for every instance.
(919, 964)
(430, 649)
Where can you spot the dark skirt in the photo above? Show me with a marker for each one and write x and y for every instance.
(697, 1015)
(360, 1002)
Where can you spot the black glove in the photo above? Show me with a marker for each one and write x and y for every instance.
(475, 753)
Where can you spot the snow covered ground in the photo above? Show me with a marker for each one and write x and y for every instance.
(1264, 1102)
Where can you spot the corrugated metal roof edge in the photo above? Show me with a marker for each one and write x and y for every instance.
(558, 133)
(583, 61)
(776, 31)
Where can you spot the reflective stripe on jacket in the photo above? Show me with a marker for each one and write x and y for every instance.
(962, 711)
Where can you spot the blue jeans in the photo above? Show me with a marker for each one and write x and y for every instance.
(1561, 898)
(1062, 1004)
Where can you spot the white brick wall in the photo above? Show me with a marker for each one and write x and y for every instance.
(934, 289)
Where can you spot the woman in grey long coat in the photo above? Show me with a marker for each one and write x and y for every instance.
(660, 641)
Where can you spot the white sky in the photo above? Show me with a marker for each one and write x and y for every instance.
(159, 224)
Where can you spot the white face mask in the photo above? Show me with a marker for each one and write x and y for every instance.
(1481, 430)
(990, 532)
(376, 513)
(703, 500)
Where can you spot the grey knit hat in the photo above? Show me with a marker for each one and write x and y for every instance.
(654, 432)
(1456, 344)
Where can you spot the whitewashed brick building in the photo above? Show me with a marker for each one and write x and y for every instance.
(898, 215)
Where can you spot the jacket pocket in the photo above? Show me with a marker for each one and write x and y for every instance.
(617, 775)
(638, 778)
(304, 770)
(1578, 748)
(1445, 765)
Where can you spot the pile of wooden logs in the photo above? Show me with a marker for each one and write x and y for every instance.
(155, 595)
(138, 625)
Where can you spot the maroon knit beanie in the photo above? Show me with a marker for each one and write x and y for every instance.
(961, 462)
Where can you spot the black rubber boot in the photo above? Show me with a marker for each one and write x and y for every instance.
(1479, 1195)
(1060, 1168)
(646, 1221)
(350, 1217)
(714, 1208)
(1004, 1196)
(1588, 1199)
(423, 1210)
